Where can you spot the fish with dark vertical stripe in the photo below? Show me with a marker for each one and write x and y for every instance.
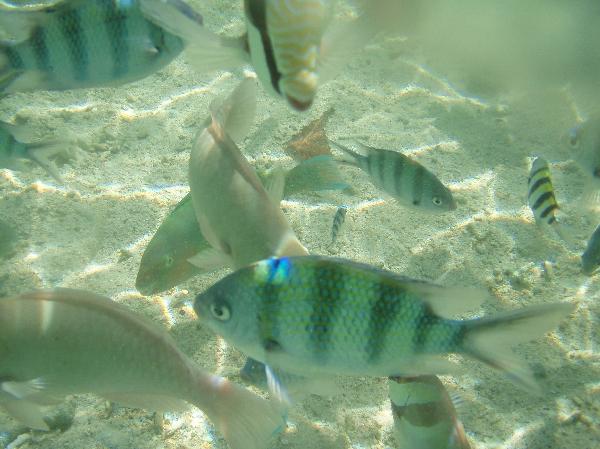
(401, 177)
(372, 322)
(82, 44)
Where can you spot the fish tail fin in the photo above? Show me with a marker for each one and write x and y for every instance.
(488, 339)
(236, 112)
(246, 420)
(565, 232)
(42, 152)
(349, 156)
(205, 50)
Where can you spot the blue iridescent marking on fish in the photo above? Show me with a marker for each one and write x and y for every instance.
(279, 270)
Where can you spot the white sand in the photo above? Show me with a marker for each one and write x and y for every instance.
(134, 171)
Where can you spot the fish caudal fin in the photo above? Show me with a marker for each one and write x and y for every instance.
(236, 112)
(246, 421)
(205, 50)
(488, 339)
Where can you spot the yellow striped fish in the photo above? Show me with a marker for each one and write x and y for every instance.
(541, 193)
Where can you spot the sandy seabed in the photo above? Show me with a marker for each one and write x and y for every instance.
(91, 232)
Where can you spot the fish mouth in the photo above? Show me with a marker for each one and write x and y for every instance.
(299, 105)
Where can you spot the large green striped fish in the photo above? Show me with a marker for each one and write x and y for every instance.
(81, 44)
(317, 315)
(60, 342)
(403, 178)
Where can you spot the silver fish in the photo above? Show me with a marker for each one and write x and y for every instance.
(12, 151)
(235, 213)
(59, 342)
(590, 259)
(338, 222)
(316, 315)
(424, 415)
(405, 179)
(80, 44)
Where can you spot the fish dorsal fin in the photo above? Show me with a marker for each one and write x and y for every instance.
(98, 303)
(232, 151)
(236, 112)
(275, 185)
(447, 302)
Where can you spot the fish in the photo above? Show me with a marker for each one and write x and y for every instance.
(584, 140)
(13, 151)
(60, 342)
(317, 315)
(424, 414)
(164, 263)
(283, 42)
(74, 44)
(235, 213)
(338, 222)
(542, 200)
(406, 180)
(590, 259)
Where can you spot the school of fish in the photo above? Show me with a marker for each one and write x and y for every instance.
(299, 318)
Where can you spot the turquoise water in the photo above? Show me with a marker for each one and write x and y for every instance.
(475, 126)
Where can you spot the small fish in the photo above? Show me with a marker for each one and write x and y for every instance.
(165, 261)
(75, 44)
(338, 222)
(236, 215)
(12, 151)
(585, 142)
(320, 315)
(542, 200)
(541, 193)
(424, 415)
(590, 259)
(60, 342)
(403, 178)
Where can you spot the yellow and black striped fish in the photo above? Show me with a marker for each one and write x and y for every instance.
(541, 197)
(82, 44)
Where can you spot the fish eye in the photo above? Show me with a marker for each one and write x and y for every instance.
(169, 261)
(437, 200)
(220, 311)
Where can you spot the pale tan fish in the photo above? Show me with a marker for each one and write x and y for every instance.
(59, 342)
(235, 213)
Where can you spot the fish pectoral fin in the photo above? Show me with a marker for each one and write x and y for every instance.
(211, 259)
(205, 50)
(25, 412)
(152, 402)
(447, 302)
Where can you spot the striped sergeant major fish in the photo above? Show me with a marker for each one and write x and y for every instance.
(316, 315)
(338, 221)
(542, 200)
(13, 151)
(424, 415)
(283, 43)
(590, 259)
(60, 342)
(236, 215)
(74, 44)
(401, 177)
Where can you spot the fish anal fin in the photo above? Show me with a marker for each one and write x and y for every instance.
(211, 259)
(290, 246)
